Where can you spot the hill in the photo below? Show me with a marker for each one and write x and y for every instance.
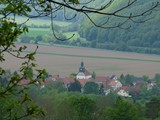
(143, 38)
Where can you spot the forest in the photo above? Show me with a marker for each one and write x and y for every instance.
(141, 38)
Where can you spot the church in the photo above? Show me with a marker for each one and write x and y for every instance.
(83, 73)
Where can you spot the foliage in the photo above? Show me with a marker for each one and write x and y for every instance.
(57, 85)
(153, 108)
(84, 108)
(132, 39)
(25, 39)
(122, 110)
(101, 90)
(66, 108)
(77, 106)
(91, 88)
(157, 79)
(75, 86)
(17, 102)
(73, 75)
(93, 75)
(127, 79)
(38, 38)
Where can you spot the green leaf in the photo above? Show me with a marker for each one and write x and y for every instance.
(74, 1)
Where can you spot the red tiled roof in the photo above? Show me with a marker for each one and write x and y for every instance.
(101, 78)
(86, 72)
(67, 80)
(140, 83)
(49, 80)
(83, 81)
(131, 88)
(113, 82)
(57, 77)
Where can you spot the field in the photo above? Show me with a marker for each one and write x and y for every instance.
(66, 60)
(40, 22)
(34, 32)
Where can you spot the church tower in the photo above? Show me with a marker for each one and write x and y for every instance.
(83, 73)
(82, 68)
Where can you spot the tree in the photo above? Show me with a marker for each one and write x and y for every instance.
(84, 108)
(57, 85)
(17, 102)
(129, 79)
(75, 86)
(101, 90)
(122, 79)
(73, 75)
(25, 39)
(91, 88)
(153, 108)
(146, 79)
(122, 110)
(65, 106)
(38, 38)
(157, 79)
(93, 75)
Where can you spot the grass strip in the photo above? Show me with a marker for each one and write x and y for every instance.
(97, 57)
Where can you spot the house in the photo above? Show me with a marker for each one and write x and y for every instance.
(67, 81)
(109, 83)
(113, 77)
(138, 81)
(83, 73)
(150, 85)
(50, 80)
(101, 79)
(131, 90)
(123, 93)
(114, 84)
(83, 81)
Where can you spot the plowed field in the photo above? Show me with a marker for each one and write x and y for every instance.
(66, 60)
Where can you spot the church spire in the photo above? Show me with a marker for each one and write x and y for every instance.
(81, 68)
(82, 64)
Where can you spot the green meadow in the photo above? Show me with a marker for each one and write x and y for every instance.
(33, 32)
(42, 27)
(41, 22)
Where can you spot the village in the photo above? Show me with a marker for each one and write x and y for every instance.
(106, 84)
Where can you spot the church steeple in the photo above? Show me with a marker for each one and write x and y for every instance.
(81, 68)
(82, 64)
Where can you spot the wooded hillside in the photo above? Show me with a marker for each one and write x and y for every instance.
(140, 37)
